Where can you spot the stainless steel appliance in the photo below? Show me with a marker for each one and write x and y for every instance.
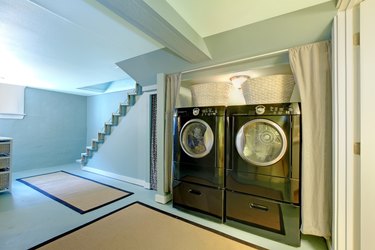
(263, 170)
(198, 159)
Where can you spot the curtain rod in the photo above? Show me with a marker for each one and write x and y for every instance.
(237, 61)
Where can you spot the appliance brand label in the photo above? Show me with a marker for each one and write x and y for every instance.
(260, 109)
(196, 111)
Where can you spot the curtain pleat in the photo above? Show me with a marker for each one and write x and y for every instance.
(311, 66)
(173, 82)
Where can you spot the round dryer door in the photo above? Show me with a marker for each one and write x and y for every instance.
(196, 138)
(261, 142)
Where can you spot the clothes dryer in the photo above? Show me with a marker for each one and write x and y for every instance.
(198, 159)
(263, 169)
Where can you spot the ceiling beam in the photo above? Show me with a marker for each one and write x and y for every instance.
(160, 21)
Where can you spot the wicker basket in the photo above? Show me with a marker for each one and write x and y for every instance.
(4, 148)
(268, 89)
(4, 181)
(211, 94)
(4, 163)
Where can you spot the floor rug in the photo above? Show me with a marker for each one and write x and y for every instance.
(78, 193)
(139, 226)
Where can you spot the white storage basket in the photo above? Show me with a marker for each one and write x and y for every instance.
(268, 89)
(211, 94)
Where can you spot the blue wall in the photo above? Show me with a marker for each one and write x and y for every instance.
(99, 111)
(125, 155)
(53, 131)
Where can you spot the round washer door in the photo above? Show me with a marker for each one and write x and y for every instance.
(261, 142)
(196, 138)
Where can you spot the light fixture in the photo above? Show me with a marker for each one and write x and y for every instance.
(238, 80)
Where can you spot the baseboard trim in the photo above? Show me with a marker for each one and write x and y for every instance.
(131, 180)
(163, 199)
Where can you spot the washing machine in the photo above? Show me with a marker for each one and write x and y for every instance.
(199, 159)
(263, 169)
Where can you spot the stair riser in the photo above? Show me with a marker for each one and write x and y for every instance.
(138, 89)
(107, 129)
(115, 120)
(122, 110)
(83, 160)
(95, 146)
(88, 153)
(101, 137)
(131, 100)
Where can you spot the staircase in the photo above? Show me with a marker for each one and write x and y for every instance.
(123, 109)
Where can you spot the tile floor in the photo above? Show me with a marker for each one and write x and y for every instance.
(28, 217)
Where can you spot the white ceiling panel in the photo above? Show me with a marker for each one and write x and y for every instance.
(209, 17)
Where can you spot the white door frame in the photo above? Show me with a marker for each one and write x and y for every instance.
(345, 224)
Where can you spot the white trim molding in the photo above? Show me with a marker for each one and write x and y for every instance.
(149, 88)
(343, 5)
(163, 199)
(345, 224)
(339, 236)
(131, 180)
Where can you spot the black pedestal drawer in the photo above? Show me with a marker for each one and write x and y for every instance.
(200, 198)
(269, 218)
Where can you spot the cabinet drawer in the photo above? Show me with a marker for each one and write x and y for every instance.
(197, 197)
(254, 211)
(272, 219)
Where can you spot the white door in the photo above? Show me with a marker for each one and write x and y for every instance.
(367, 120)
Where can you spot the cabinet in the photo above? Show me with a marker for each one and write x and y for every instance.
(5, 164)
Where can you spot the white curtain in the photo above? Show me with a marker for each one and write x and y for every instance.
(172, 88)
(311, 66)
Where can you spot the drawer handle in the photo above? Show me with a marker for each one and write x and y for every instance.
(196, 192)
(258, 206)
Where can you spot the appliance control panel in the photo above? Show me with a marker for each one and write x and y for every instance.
(208, 111)
(277, 109)
(265, 109)
(201, 111)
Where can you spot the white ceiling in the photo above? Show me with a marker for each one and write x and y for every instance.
(209, 17)
(69, 44)
(63, 46)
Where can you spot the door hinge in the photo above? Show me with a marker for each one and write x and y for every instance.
(356, 39)
(357, 148)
